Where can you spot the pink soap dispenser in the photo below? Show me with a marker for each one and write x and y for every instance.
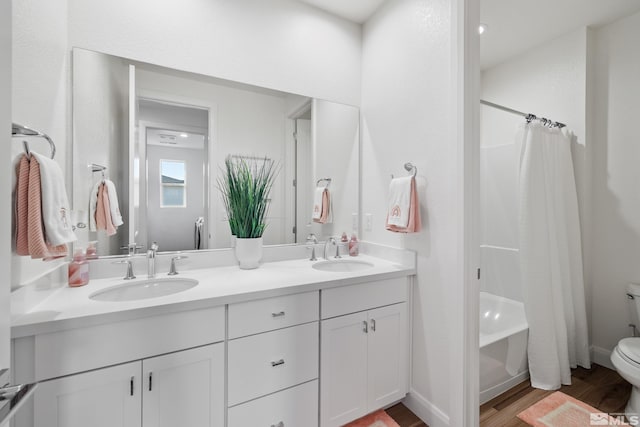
(78, 269)
(353, 246)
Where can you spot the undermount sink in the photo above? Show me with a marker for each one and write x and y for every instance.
(342, 265)
(143, 289)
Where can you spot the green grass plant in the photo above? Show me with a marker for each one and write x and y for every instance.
(245, 186)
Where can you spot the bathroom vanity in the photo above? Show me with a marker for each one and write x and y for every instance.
(282, 345)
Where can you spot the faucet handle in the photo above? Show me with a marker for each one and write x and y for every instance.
(130, 274)
(132, 248)
(154, 246)
(172, 268)
(311, 238)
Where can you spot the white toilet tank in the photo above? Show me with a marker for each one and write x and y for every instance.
(633, 304)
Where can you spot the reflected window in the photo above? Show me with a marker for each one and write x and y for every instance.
(173, 188)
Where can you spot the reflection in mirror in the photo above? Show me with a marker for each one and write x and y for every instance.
(163, 135)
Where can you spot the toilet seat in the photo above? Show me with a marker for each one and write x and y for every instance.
(629, 349)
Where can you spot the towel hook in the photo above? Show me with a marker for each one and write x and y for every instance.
(409, 167)
(97, 168)
(20, 130)
(327, 180)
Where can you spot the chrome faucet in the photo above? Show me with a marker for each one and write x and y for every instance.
(129, 275)
(331, 240)
(151, 260)
(313, 240)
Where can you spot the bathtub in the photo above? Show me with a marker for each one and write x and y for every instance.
(503, 345)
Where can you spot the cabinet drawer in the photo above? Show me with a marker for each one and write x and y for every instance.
(265, 363)
(365, 296)
(294, 407)
(77, 350)
(268, 314)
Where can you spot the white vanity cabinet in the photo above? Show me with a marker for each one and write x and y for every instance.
(182, 388)
(364, 354)
(273, 362)
(109, 397)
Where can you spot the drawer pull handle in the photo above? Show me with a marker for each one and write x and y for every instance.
(373, 325)
(280, 314)
(277, 363)
(150, 380)
(131, 386)
(365, 327)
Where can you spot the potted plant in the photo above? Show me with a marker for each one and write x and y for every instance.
(245, 187)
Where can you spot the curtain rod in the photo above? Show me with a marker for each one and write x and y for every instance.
(527, 116)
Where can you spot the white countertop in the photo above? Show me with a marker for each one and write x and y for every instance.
(69, 308)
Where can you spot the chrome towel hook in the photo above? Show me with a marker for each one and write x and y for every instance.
(20, 130)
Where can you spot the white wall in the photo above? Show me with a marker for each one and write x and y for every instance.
(5, 180)
(40, 90)
(406, 96)
(615, 176)
(549, 81)
(279, 44)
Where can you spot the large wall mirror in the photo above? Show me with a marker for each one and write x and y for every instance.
(161, 137)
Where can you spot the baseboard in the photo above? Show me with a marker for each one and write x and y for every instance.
(602, 357)
(427, 411)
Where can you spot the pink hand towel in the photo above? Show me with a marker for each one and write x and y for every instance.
(103, 212)
(415, 223)
(106, 205)
(321, 206)
(22, 206)
(29, 229)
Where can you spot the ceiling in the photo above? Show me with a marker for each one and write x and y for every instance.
(358, 11)
(515, 26)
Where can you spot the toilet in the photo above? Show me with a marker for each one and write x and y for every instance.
(626, 356)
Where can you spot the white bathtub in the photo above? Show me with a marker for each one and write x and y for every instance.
(503, 345)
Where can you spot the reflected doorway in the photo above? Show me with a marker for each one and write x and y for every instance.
(175, 147)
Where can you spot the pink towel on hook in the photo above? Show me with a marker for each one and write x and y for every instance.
(103, 212)
(415, 223)
(321, 206)
(30, 238)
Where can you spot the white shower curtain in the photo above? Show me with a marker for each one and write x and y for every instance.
(551, 257)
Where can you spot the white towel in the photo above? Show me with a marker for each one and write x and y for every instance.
(56, 211)
(93, 202)
(399, 201)
(116, 217)
(317, 203)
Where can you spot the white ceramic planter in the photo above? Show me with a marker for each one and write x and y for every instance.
(249, 252)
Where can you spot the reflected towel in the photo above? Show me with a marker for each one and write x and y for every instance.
(30, 237)
(56, 209)
(114, 207)
(414, 223)
(321, 205)
(93, 203)
(103, 212)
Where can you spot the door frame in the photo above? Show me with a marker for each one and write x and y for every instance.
(211, 137)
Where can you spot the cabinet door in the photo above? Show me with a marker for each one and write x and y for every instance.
(343, 369)
(109, 397)
(387, 350)
(184, 388)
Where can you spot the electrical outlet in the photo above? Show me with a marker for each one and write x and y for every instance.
(368, 222)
